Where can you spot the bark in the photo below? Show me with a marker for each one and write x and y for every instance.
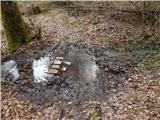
(16, 29)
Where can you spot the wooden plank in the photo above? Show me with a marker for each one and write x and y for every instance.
(67, 62)
(53, 71)
(57, 62)
(59, 58)
(55, 66)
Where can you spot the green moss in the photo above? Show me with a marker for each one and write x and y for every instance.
(151, 60)
(16, 29)
(97, 114)
(36, 10)
(45, 10)
(130, 110)
(142, 110)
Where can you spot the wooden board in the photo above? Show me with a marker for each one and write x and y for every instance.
(53, 71)
(57, 62)
(59, 58)
(67, 62)
(56, 66)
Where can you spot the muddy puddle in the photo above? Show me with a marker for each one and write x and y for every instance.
(84, 70)
(92, 76)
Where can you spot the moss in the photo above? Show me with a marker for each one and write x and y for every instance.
(130, 110)
(45, 10)
(36, 10)
(151, 60)
(142, 110)
(97, 114)
(16, 29)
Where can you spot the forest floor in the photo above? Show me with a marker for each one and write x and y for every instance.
(126, 86)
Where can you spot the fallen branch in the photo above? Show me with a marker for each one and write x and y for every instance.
(17, 114)
(60, 115)
(7, 82)
(55, 46)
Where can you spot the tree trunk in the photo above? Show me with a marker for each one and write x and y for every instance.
(16, 30)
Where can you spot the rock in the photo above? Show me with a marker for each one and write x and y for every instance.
(14, 72)
(63, 68)
(129, 79)
(9, 69)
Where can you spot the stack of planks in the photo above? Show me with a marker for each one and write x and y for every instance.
(58, 65)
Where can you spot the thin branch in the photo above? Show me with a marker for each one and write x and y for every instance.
(7, 82)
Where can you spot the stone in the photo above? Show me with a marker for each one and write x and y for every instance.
(9, 69)
(63, 69)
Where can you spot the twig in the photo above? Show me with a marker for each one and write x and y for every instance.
(55, 46)
(10, 83)
(90, 53)
(60, 115)
(135, 5)
(17, 114)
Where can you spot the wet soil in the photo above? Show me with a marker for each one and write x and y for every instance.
(95, 74)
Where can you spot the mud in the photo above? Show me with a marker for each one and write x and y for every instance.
(95, 74)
